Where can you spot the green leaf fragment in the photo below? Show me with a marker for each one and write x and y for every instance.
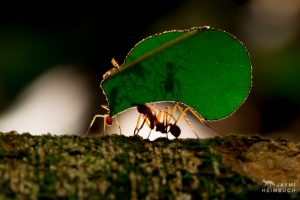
(204, 68)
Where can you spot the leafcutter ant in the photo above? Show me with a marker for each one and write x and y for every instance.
(153, 120)
(114, 69)
(107, 119)
(163, 127)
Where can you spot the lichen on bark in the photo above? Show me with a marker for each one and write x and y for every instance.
(119, 167)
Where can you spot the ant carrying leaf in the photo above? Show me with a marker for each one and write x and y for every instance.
(206, 69)
(162, 121)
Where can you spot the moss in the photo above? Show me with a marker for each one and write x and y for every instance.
(119, 167)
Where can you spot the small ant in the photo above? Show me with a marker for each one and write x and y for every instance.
(115, 68)
(107, 119)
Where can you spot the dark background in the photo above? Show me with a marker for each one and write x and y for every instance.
(36, 37)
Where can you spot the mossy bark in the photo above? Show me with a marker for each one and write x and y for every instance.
(118, 167)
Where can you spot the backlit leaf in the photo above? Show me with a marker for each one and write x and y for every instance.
(204, 68)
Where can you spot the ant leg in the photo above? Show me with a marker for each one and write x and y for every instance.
(166, 113)
(184, 116)
(137, 130)
(176, 104)
(118, 125)
(114, 69)
(203, 121)
(137, 125)
(141, 127)
(158, 116)
(105, 107)
(93, 121)
(173, 112)
(160, 110)
(166, 120)
(153, 107)
(149, 134)
(115, 63)
(199, 117)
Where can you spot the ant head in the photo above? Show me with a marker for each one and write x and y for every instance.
(175, 130)
(109, 120)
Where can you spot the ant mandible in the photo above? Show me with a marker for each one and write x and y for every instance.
(153, 121)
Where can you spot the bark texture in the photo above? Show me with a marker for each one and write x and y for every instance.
(118, 167)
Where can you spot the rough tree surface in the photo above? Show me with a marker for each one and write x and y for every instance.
(118, 167)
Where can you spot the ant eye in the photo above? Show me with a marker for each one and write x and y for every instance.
(109, 120)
